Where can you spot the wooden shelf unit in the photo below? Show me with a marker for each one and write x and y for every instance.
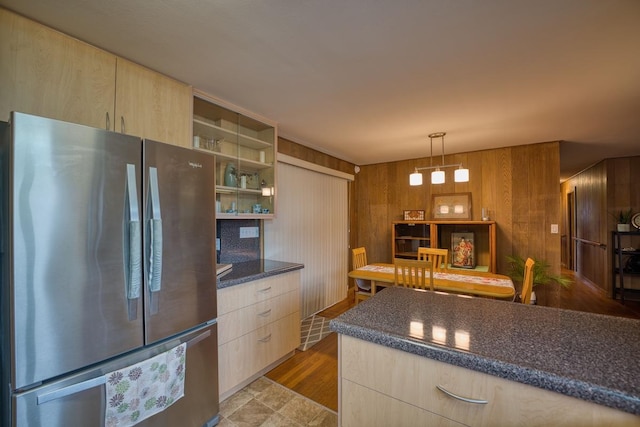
(407, 236)
(620, 274)
(249, 147)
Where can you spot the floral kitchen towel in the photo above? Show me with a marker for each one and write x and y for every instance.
(144, 389)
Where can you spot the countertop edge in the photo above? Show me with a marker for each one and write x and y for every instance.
(282, 268)
(564, 385)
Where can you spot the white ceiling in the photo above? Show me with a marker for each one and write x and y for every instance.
(368, 80)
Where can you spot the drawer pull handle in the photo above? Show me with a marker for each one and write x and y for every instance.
(265, 313)
(464, 399)
(265, 339)
(265, 289)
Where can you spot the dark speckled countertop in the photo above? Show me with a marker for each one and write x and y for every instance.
(589, 356)
(246, 271)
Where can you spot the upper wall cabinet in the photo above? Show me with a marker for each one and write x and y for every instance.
(46, 73)
(49, 74)
(151, 105)
(245, 150)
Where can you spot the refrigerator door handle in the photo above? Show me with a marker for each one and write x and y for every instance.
(98, 381)
(155, 223)
(193, 341)
(72, 389)
(134, 260)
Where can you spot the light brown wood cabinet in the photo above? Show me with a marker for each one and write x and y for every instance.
(151, 105)
(381, 386)
(258, 325)
(245, 150)
(47, 73)
(407, 236)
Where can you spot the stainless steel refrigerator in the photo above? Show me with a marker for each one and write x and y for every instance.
(107, 259)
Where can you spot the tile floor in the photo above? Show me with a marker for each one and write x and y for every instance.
(264, 403)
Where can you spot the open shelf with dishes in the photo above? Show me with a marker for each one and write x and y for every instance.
(245, 150)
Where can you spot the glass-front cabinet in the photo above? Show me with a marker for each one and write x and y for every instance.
(245, 150)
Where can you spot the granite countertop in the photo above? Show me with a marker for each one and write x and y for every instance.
(588, 356)
(246, 271)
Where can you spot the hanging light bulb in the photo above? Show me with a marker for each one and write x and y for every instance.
(415, 178)
(461, 175)
(437, 177)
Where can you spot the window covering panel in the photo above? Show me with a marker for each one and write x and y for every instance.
(311, 227)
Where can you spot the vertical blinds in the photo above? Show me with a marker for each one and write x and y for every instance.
(311, 227)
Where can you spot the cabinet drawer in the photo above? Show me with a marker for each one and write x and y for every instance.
(365, 407)
(242, 321)
(245, 356)
(236, 297)
(413, 379)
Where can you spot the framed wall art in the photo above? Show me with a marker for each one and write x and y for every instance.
(463, 250)
(451, 206)
(414, 215)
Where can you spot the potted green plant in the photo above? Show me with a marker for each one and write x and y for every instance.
(623, 219)
(541, 274)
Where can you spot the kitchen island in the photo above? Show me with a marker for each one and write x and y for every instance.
(403, 353)
(258, 320)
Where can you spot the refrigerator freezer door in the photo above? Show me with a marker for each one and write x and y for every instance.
(80, 399)
(179, 240)
(68, 199)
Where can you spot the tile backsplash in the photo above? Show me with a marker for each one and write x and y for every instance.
(232, 247)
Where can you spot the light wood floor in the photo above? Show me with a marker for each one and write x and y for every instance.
(314, 373)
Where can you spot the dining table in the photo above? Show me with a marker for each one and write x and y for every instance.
(460, 281)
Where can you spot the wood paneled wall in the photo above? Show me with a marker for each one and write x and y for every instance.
(519, 185)
(601, 190)
(310, 155)
(590, 194)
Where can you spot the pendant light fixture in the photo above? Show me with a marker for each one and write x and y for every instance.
(437, 176)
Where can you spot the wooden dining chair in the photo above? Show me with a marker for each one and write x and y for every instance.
(527, 282)
(438, 257)
(363, 287)
(412, 273)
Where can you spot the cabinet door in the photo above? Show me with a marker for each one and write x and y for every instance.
(151, 105)
(407, 237)
(245, 150)
(249, 354)
(46, 73)
(413, 380)
(362, 406)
